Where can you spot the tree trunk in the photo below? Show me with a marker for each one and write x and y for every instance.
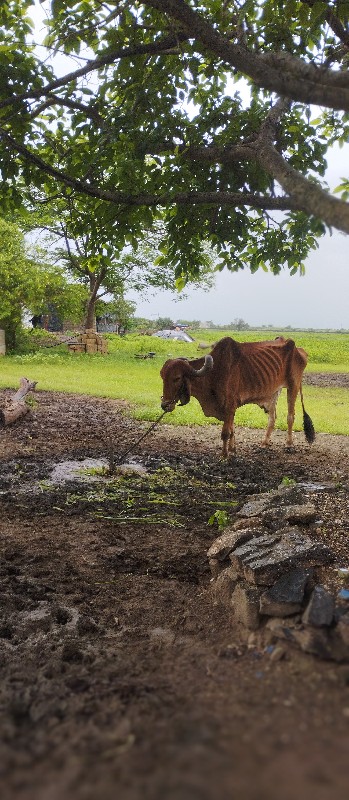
(90, 321)
(95, 281)
(15, 407)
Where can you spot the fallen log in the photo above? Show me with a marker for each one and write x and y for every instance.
(15, 407)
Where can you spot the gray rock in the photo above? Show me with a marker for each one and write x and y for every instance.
(293, 549)
(222, 587)
(316, 641)
(225, 543)
(245, 604)
(324, 643)
(272, 608)
(291, 586)
(303, 514)
(258, 546)
(256, 505)
(320, 609)
(290, 494)
(244, 523)
(286, 595)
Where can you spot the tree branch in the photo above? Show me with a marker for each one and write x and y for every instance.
(53, 99)
(144, 199)
(160, 47)
(278, 72)
(302, 195)
(335, 24)
(308, 196)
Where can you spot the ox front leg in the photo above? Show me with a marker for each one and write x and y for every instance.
(228, 437)
(271, 419)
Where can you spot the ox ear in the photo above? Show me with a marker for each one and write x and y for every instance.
(184, 393)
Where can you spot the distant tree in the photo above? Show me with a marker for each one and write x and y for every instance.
(119, 309)
(66, 298)
(142, 324)
(239, 324)
(162, 323)
(30, 283)
(96, 257)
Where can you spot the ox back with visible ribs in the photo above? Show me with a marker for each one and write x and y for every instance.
(237, 373)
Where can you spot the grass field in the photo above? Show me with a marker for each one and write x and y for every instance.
(120, 375)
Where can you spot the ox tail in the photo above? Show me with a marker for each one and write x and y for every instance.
(308, 426)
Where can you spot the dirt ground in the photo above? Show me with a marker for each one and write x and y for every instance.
(120, 677)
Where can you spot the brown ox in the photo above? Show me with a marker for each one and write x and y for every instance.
(236, 374)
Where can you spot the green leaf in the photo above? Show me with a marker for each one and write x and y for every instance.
(180, 283)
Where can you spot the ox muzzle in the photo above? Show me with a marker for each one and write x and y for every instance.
(168, 405)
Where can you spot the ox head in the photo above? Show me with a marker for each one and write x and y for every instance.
(176, 375)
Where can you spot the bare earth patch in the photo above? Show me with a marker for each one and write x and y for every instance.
(119, 675)
(339, 379)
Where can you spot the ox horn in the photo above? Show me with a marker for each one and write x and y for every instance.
(207, 366)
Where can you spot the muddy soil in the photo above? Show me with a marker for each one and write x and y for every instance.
(120, 677)
(340, 379)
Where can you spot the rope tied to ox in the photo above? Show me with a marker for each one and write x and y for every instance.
(112, 462)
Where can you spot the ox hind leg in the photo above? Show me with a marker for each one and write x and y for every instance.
(228, 435)
(292, 392)
(270, 409)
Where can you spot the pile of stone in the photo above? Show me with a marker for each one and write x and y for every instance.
(89, 342)
(265, 571)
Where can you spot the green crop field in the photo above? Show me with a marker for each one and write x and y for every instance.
(123, 376)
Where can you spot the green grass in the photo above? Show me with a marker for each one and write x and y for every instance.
(327, 351)
(122, 376)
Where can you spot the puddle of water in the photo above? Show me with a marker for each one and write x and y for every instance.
(74, 470)
(85, 471)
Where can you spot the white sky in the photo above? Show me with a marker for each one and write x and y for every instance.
(317, 300)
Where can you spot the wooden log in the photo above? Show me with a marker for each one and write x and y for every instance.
(15, 407)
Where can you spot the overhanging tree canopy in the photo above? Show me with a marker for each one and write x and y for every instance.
(150, 115)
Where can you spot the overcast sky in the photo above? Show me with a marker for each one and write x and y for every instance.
(319, 299)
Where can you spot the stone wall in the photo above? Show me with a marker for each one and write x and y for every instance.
(89, 342)
(265, 575)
